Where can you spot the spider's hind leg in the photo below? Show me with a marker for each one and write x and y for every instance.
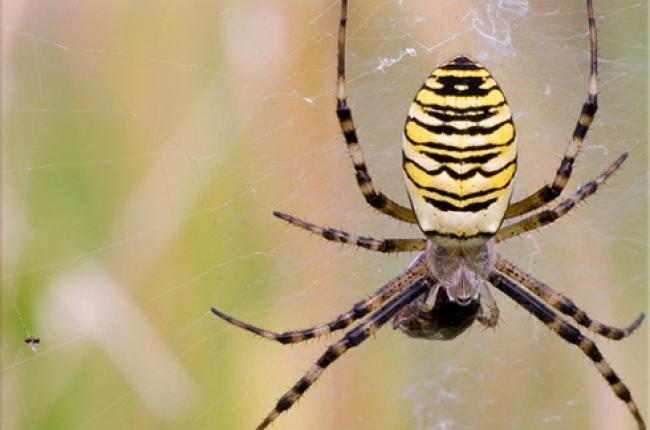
(351, 339)
(570, 334)
(564, 304)
(358, 311)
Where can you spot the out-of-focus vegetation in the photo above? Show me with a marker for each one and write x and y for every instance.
(145, 144)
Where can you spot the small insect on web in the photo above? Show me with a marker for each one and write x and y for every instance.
(33, 343)
(459, 159)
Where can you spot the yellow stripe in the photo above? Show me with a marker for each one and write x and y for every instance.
(434, 83)
(504, 154)
(457, 73)
(489, 83)
(500, 114)
(429, 97)
(419, 134)
(461, 187)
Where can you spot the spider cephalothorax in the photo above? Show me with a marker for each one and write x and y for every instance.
(458, 293)
(459, 160)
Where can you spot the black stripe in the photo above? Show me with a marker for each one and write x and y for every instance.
(592, 350)
(338, 324)
(476, 115)
(474, 159)
(462, 176)
(443, 147)
(343, 111)
(452, 91)
(449, 129)
(449, 84)
(458, 196)
(351, 136)
(607, 331)
(359, 310)
(469, 65)
(457, 236)
(580, 131)
(388, 245)
(588, 110)
(457, 109)
(567, 307)
(329, 234)
(449, 207)
(328, 357)
(289, 337)
(301, 386)
(523, 298)
(283, 404)
(625, 395)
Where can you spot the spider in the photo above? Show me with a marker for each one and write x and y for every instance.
(459, 160)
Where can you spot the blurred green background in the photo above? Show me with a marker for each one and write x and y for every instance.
(145, 144)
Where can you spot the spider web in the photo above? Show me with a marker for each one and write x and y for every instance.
(146, 144)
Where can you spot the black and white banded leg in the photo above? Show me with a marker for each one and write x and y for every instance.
(358, 311)
(547, 216)
(339, 236)
(570, 334)
(375, 198)
(550, 192)
(564, 304)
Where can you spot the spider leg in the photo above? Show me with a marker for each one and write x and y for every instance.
(548, 193)
(380, 245)
(563, 303)
(547, 216)
(358, 311)
(489, 311)
(570, 334)
(374, 198)
(350, 340)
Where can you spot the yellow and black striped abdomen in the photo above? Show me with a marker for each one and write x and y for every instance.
(459, 154)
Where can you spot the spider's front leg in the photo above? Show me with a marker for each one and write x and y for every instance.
(548, 193)
(547, 216)
(375, 198)
(563, 303)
